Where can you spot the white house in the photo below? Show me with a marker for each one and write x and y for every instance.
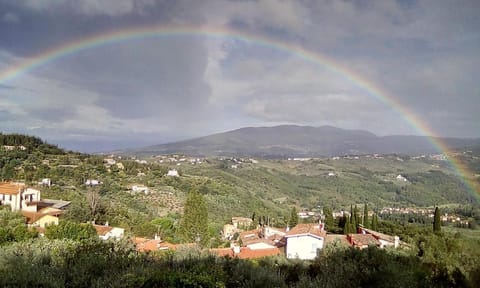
(401, 178)
(304, 241)
(46, 182)
(383, 239)
(173, 173)
(106, 232)
(18, 196)
(140, 188)
(92, 182)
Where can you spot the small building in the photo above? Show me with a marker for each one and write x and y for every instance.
(241, 222)
(384, 240)
(92, 182)
(140, 188)
(304, 240)
(106, 232)
(18, 196)
(362, 241)
(245, 252)
(173, 173)
(401, 178)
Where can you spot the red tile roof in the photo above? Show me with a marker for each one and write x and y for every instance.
(360, 240)
(246, 253)
(102, 230)
(10, 188)
(306, 229)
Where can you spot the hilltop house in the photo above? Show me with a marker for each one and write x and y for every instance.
(43, 217)
(304, 240)
(18, 196)
(384, 240)
(106, 232)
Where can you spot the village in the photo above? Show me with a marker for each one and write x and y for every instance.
(303, 241)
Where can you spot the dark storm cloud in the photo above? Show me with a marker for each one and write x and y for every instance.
(421, 54)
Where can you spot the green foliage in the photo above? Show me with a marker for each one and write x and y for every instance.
(293, 220)
(329, 221)
(437, 224)
(365, 221)
(70, 230)
(13, 227)
(194, 223)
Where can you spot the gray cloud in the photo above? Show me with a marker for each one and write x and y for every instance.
(423, 55)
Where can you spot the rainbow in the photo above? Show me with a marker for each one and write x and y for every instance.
(124, 34)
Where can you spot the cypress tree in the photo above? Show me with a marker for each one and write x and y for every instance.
(293, 221)
(346, 228)
(194, 224)
(436, 221)
(328, 218)
(365, 216)
(374, 222)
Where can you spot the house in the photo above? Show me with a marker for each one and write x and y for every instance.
(228, 231)
(18, 196)
(337, 239)
(304, 240)
(173, 173)
(241, 222)
(46, 182)
(149, 245)
(362, 241)
(140, 188)
(92, 182)
(245, 252)
(384, 240)
(38, 219)
(401, 178)
(109, 161)
(106, 232)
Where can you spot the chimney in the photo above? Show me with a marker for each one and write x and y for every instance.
(288, 229)
(397, 241)
(236, 249)
(106, 224)
(157, 237)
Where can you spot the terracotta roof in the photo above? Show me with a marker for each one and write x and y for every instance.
(246, 253)
(363, 240)
(32, 217)
(332, 238)
(379, 235)
(10, 188)
(145, 245)
(102, 230)
(306, 229)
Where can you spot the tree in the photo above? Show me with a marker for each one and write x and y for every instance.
(194, 223)
(93, 198)
(436, 221)
(293, 221)
(70, 230)
(329, 221)
(374, 225)
(365, 216)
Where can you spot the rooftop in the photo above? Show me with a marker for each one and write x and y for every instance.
(306, 229)
(11, 188)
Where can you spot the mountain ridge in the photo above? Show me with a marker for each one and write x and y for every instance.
(302, 141)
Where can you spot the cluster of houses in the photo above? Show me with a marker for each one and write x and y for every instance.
(11, 147)
(304, 241)
(39, 213)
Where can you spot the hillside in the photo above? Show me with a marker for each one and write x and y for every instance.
(234, 186)
(300, 141)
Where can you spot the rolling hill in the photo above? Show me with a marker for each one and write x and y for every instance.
(301, 141)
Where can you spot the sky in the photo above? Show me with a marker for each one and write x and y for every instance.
(422, 55)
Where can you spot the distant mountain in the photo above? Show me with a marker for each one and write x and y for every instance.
(300, 141)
